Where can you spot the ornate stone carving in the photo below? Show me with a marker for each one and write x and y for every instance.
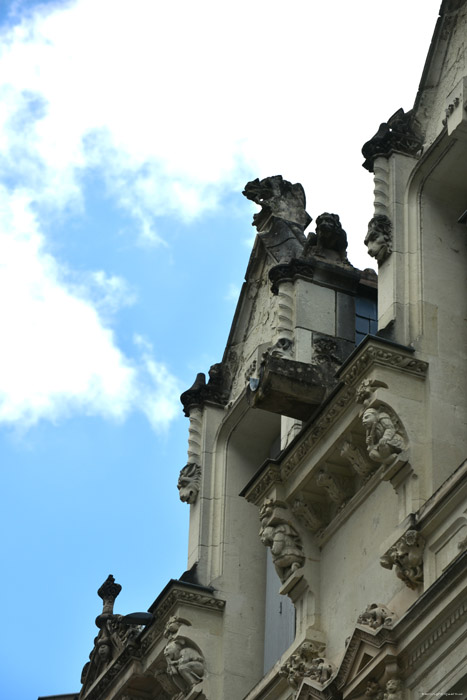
(280, 535)
(329, 242)
(406, 556)
(301, 663)
(334, 489)
(115, 636)
(282, 219)
(374, 354)
(366, 389)
(357, 458)
(376, 616)
(185, 661)
(378, 239)
(307, 514)
(385, 438)
(373, 690)
(189, 482)
(399, 133)
(200, 392)
(394, 690)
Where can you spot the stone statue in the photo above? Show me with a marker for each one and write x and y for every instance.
(394, 690)
(406, 556)
(329, 242)
(282, 538)
(378, 240)
(282, 219)
(384, 440)
(189, 483)
(185, 662)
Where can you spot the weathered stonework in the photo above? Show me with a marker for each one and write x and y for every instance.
(406, 556)
(189, 483)
(281, 537)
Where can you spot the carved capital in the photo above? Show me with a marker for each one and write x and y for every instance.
(399, 133)
(406, 557)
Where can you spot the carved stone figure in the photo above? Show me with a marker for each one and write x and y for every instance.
(301, 663)
(373, 690)
(406, 556)
(376, 615)
(321, 670)
(367, 388)
(330, 240)
(383, 439)
(394, 690)
(284, 541)
(189, 482)
(378, 240)
(185, 662)
(282, 219)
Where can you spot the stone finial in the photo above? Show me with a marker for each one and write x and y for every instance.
(185, 661)
(189, 482)
(282, 538)
(109, 592)
(406, 556)
(378, 239)
(376, 616)
(399, 133)
(329, 242)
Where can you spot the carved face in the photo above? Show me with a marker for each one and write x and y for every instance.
(369, 417)
(378, 238)
(103, 652)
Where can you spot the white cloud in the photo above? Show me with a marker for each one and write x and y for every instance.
(57, 355)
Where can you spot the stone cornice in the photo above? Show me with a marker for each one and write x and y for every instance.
(383, 353)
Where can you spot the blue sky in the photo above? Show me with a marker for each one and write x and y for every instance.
(126, 136)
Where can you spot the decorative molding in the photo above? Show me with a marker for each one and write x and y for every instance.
(195, 435)
(381, 185)
(436, 635)
(323, 423)
(333, 487)
(406, 556)
(374, 354)
(189, 483)
(267, 479)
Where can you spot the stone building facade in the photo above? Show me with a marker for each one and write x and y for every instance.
(326, 474)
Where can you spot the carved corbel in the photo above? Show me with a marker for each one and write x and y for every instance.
(394, 690)
(333, 487)
(358, 459)
(307, 514)
(189, 483)
(377, 616)
(406, 556)
(278, 533)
